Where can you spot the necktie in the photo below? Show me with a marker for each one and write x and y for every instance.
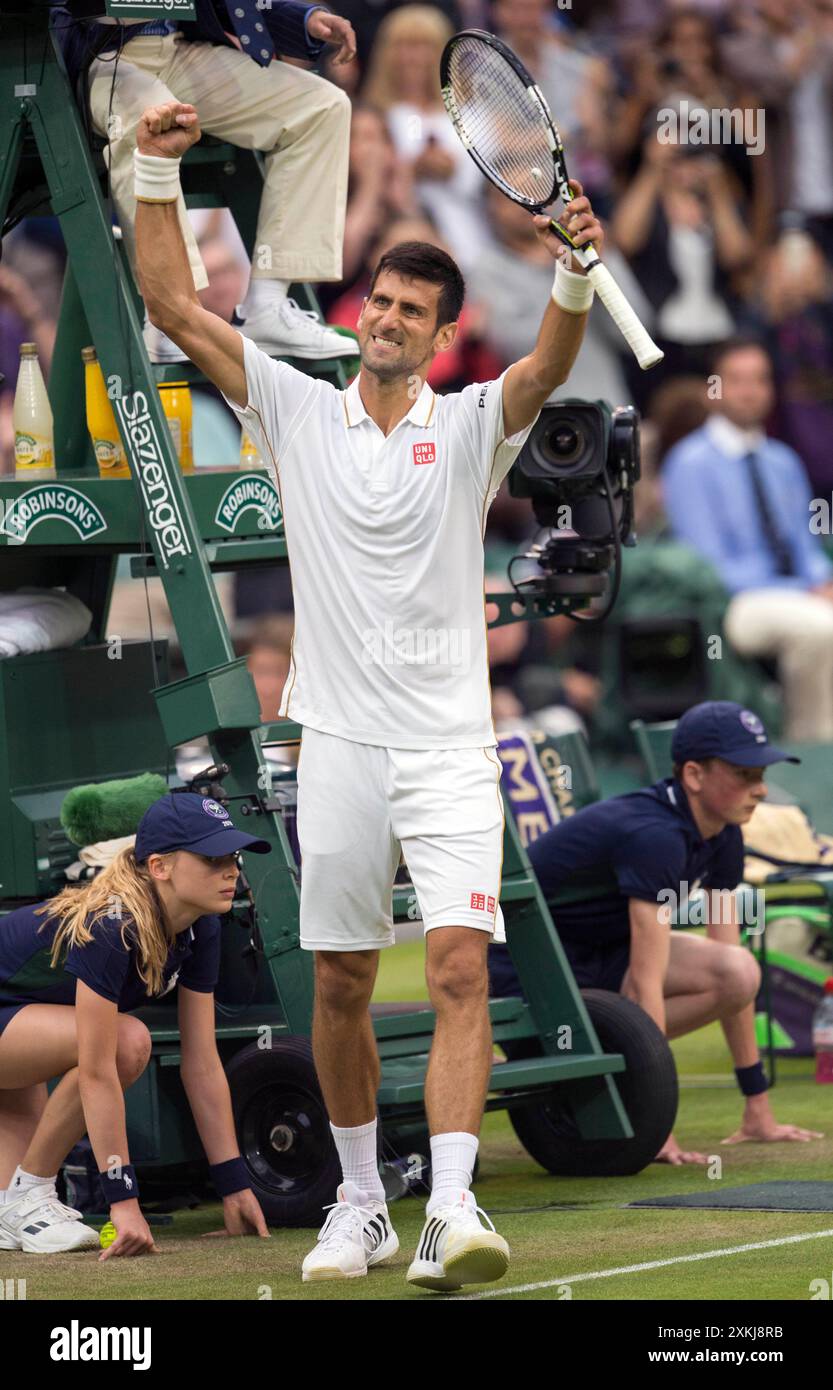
(251, 31)
(778, 547)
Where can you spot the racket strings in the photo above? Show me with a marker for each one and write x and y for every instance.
(501, 122)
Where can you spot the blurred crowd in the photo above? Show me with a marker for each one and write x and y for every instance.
(723, 241)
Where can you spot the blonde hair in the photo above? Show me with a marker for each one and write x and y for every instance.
(124, 891)
(409, 22)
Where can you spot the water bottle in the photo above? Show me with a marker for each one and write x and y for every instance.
(250, 456)
(101, 422)
(823, 1035)
(176, 403)
(34, 447)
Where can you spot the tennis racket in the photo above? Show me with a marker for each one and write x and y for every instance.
(504, 122)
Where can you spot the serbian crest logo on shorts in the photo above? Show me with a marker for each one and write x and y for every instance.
(214, 808)
(425, 453)
(752, 723)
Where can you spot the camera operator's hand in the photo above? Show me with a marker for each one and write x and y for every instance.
(581, 222)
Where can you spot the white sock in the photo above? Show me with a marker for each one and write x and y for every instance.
(22, 1181)
(452, 1165)
(357, 1151)
(263, 294)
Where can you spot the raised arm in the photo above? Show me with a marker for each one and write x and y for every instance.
(531, 381)
(636, 209)
(165, 277)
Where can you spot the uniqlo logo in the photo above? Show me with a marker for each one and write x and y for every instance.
(425, 453)
(478, 902)
(491, 905)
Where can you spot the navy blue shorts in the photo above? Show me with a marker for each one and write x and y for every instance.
(8, 1011)
(598, 967)
(594, 967)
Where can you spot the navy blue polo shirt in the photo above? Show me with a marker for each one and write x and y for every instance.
(632, 846)
(106, 964)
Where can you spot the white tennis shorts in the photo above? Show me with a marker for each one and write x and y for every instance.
(360, 805)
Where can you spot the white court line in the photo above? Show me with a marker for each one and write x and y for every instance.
(649, 1264)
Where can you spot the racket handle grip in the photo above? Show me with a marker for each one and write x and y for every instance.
(644, 348)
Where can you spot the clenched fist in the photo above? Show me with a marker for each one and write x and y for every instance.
(168, 130)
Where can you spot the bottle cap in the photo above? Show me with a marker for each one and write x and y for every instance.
(89, 354)
(28, 349)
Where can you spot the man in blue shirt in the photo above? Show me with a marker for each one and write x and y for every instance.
(742, 500)
(645, 853)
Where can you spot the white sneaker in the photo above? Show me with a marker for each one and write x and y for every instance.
(161, 348)
(356, 1235)
(285, 330)
(456, 1249)
(38, 1224)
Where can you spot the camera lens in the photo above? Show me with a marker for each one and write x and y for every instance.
(564, 443)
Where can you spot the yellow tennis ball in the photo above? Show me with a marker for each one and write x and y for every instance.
(107, 1235)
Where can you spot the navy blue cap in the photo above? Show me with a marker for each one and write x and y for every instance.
(722, 729)
(186, 820)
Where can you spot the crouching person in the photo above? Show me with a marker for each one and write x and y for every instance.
(72, 971)
(646, 851)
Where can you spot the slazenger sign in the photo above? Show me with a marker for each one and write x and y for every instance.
(51, 502)
(250, 490)
(181, 9)
(160, 504)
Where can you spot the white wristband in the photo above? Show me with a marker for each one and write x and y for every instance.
(156, 178)
(570, 291)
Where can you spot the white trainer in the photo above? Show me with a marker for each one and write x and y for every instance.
(455, 1248)
(38, 1224)
(356, 1235)
(161, 348)
(285, 330)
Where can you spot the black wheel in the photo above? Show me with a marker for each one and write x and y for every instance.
(284, 1131)
(648, 1087)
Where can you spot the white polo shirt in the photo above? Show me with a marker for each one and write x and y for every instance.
(385, 545)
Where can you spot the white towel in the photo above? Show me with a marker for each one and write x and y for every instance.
(39, 620)
(97, 856)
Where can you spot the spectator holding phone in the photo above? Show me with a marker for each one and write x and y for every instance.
(403, 81)
(679, 223)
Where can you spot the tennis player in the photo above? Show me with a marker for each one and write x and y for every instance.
(385, 489)
(72, 970)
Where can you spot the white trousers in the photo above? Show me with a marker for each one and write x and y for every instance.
(299, 121)
(796, 627)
